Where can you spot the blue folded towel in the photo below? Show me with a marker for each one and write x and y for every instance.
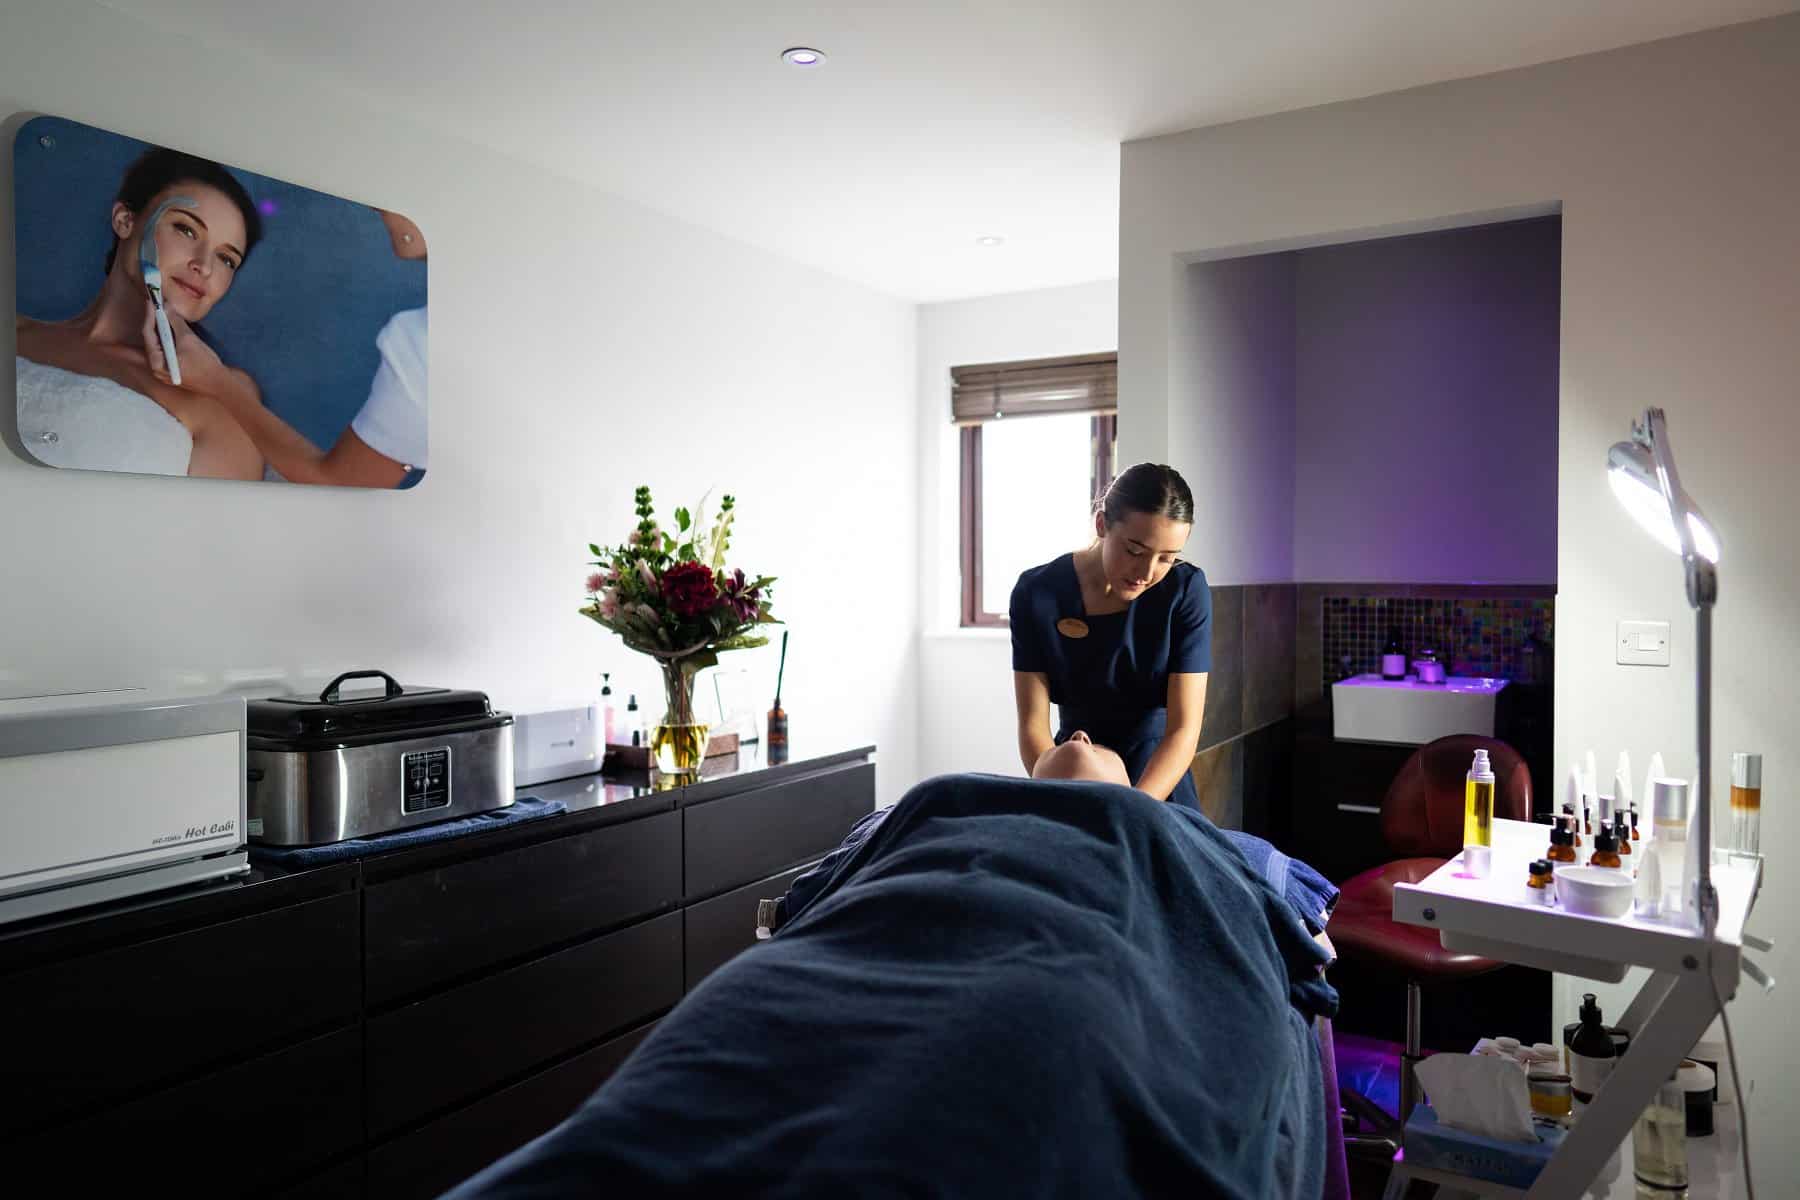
(525, 808)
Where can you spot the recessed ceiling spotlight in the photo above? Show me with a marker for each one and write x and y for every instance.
(803, 56)
(990, 240)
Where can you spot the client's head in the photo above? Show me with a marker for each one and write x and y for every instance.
(1080, 758)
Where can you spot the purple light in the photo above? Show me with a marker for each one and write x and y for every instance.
(266, 207)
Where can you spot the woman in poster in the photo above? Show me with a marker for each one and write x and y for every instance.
(384, 443)
(89, 397)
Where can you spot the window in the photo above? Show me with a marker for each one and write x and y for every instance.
(1038, 450)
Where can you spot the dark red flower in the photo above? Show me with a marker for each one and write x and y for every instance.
(689, 589)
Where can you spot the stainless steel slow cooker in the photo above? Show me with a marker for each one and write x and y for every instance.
(330, 767)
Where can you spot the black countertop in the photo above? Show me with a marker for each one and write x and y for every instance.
(591, 802)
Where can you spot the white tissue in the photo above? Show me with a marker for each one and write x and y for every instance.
(1479, 1093)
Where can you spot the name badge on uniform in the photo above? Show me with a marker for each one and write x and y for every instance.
(1071, 627)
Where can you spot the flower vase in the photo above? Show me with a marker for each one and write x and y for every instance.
(679, 741)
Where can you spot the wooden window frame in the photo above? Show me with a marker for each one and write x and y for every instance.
(1103, 434)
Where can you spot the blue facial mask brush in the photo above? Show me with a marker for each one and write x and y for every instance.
(152, 272)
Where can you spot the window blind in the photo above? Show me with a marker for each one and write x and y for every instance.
(1086, 383)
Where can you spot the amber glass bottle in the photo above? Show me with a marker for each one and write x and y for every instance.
(1562, 845)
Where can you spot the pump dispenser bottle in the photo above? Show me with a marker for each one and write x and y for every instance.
(1592, 1052)
(1562, 845)
(1478, 816)
(609, 712)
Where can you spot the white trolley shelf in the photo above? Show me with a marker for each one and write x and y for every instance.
(1492, 917)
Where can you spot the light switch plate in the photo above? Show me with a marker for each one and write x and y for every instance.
(1643, 643)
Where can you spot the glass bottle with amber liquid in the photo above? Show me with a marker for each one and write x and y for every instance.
(776, 751)
(1540, 882)
(1562, 845)
(1606, 850)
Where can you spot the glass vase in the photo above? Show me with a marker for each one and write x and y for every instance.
(678, 743)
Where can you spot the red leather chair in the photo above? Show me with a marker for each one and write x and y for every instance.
(1422, 821)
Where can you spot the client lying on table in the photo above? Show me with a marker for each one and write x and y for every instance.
(1046, 987)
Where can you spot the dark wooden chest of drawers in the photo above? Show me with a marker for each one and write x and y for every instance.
(388, 1026)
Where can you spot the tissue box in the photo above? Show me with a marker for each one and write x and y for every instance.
(1515, 1164)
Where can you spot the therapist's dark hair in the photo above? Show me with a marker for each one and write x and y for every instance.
(1151, 488)
(157, 168)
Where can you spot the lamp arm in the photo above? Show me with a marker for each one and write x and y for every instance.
(1702, 579)
(1702, 592)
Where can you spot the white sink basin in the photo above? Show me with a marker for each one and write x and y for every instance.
(1369, 708)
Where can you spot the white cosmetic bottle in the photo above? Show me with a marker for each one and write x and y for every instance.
(1669, 803)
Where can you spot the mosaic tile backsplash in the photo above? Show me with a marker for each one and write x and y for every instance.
(1508, 637)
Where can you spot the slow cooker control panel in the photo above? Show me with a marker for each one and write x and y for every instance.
(424, 780)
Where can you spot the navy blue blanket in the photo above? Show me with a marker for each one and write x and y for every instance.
(1007, 987)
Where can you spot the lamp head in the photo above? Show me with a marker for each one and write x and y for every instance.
(1642, 474)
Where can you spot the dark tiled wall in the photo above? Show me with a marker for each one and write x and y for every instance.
(1475, 630)
(1249, 697)
(1276, 648)
(1473, 635)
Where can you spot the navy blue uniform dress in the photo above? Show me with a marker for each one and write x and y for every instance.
(1114, 682)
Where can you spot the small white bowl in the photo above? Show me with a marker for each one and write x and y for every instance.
(1594, 891)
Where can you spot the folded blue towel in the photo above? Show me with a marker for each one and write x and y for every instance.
(525, 808)
(1312, 895)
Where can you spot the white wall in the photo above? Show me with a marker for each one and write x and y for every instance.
(580, 346)
(965, 713)
(1675, 167)
(1231, 415)
(1425, 394)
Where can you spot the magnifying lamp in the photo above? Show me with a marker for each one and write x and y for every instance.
(1642, 474)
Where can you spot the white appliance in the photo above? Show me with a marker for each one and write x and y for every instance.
(556, 745)
(105, 795)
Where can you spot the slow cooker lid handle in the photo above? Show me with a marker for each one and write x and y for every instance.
(330, 694)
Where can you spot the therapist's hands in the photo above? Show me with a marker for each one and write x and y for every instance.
(1174, 755)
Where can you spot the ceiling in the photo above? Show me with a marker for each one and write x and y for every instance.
(932, 123)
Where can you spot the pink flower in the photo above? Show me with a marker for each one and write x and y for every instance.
(646, 575)
(609, 603)
(595, 583)
(740, 597)
(645, 537)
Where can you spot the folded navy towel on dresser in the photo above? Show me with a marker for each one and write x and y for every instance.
(525, 808)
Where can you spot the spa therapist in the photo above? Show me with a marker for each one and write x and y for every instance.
(1119, 636)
